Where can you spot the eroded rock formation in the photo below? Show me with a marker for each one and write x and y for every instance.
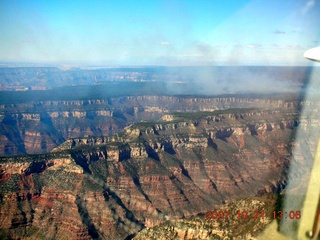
(112, 187)
(40, 126)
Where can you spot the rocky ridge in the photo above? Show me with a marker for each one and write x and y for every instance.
(40, 126)
(112, 187)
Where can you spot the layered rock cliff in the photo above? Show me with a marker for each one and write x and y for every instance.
(112, 187)
(40, 126)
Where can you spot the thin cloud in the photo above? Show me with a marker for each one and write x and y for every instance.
(287, 47)
(204, 48)
(248, 45)
(28, 40)
(118, 44)
(308, 6)
(165, 43)
(253, 46)
(279, 32)
(189, 55)
(293, 47)
(220, 46)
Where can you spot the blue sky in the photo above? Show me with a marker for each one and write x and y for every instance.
(151, 32)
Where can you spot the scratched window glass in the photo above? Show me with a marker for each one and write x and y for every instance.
(159, 119)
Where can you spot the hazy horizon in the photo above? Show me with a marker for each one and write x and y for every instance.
(67, 65)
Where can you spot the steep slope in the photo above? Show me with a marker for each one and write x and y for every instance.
(39, 126)
(112, 187)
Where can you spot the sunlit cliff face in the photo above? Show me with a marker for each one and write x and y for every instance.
(61, 120)
(178, 167)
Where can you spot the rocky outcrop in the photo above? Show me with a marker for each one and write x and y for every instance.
(40, 126)
(112, 187)
(29, 166)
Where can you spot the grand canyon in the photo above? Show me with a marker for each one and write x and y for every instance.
(145, 153)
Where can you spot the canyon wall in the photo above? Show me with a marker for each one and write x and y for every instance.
(179, 167)
(40, 126)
